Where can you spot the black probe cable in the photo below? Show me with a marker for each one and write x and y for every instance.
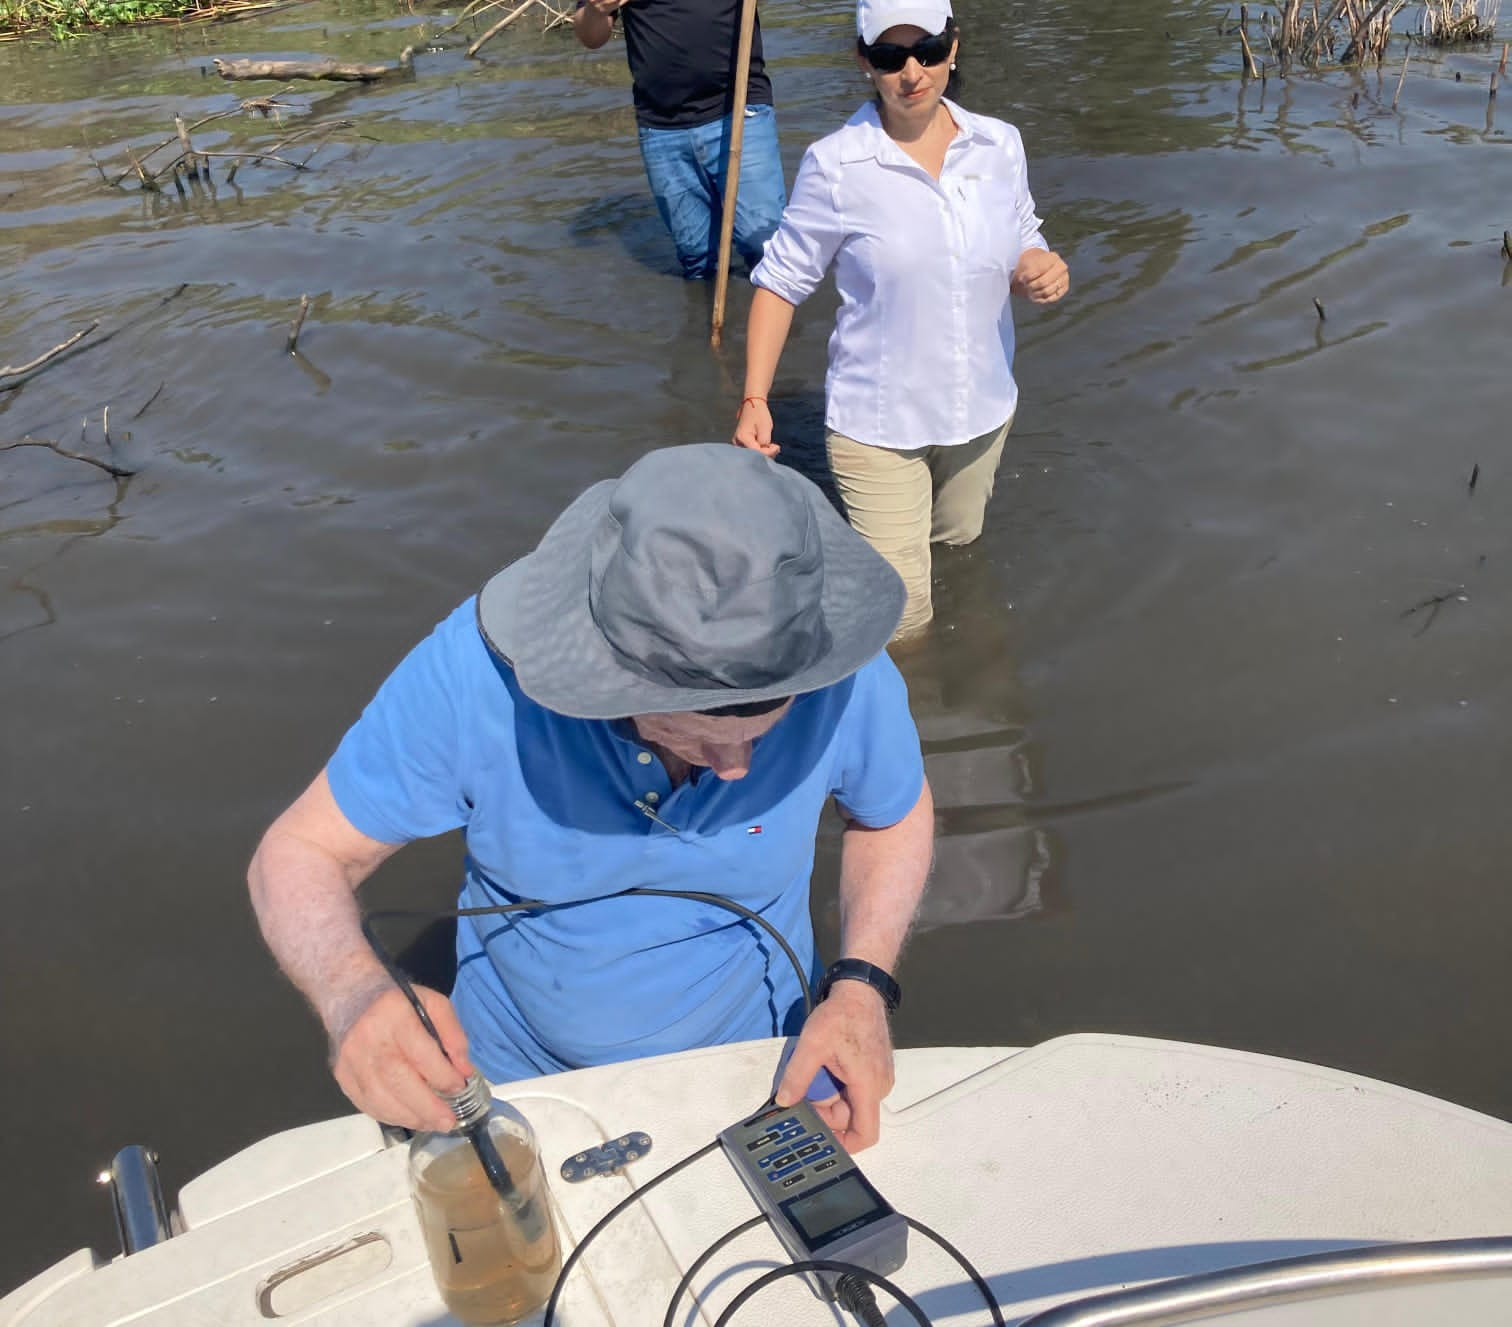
(934, 1237)
(860, 1307)
(634, 1196)
(483, 1145)
(371, 919)
(965, 1265)
(729, 1237)
(400, 979)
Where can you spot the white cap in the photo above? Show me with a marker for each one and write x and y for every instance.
(874, 17)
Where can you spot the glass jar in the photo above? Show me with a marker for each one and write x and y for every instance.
(492, 1244)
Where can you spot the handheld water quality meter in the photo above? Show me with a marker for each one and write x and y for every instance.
(813, 1194)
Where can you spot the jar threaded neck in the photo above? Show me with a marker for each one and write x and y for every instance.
(472, 1103)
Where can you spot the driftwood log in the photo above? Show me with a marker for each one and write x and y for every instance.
(341, 71)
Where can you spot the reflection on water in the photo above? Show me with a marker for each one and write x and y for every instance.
(993, 861)
(1197, 776)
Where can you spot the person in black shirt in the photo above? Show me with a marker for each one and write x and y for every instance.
(682, 58)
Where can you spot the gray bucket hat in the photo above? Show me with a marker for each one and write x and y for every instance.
(703, 576)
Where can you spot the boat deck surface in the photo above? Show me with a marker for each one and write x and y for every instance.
(1085, 1164)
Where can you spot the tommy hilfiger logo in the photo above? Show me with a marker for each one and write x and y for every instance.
(754, 829)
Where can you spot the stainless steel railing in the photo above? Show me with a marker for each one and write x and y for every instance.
(1193, 1299)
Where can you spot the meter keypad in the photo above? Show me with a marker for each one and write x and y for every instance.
(800, 1149)
(816, 1200)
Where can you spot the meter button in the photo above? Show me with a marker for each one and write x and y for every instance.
(825, 1165)
(809, 1150)
(788, 1183)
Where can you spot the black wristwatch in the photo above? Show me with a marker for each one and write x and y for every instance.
(857, 969)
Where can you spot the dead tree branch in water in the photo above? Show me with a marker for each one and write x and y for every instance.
(268, 107)
(23, 371)
(1433, 603)
(304, 308)
(1458, 22)
(341, 71)
(109, 467)
(554, 17)
(150, 400)
(1401, 78)
(195, 162)
(1251, 69)
(499, 27)
(1370, 36)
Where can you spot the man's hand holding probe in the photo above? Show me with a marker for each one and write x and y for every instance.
(303, 879)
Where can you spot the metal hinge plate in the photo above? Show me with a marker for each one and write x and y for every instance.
(607, 1159)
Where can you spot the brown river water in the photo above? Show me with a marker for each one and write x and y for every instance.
(1214, 711)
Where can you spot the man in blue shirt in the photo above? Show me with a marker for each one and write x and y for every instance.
(663, 695)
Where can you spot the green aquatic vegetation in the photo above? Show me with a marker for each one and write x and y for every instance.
(71, 18)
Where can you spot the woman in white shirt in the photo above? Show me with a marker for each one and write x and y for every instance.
(925, 212)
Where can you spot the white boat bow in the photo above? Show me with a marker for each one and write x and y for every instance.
(1082, 1166)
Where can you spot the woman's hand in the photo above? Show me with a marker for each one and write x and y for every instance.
(753, 427)
(1041, 277)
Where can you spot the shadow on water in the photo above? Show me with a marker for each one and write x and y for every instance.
(630, 219)
(1199, 772)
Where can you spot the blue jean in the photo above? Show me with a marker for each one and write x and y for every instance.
(686, 168)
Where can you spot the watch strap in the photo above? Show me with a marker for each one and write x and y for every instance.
(858, 969)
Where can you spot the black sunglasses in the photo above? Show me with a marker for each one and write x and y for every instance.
(888, 57)
(749, 710)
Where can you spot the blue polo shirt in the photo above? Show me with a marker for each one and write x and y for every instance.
(548, 806)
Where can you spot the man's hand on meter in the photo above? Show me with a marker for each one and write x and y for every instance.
(848, 1035)
(391, 1069)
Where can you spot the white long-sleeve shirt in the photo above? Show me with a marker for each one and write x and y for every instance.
(922, 351)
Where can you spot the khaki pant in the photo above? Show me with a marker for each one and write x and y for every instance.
(902, 501)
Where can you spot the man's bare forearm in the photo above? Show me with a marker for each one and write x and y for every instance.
(302, 882)
(882, 877)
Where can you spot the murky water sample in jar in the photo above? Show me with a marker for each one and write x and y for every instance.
(495, 1256)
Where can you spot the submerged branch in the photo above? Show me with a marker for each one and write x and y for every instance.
(21, 371)
(1434, 602)
(110, 468)
(292, 344)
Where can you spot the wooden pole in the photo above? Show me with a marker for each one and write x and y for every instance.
(732, 167)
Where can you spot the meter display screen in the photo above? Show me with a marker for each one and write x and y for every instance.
(820, 1214)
